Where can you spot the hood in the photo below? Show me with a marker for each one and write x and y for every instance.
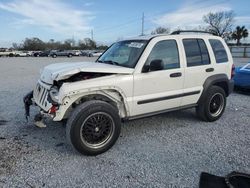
(61, 71)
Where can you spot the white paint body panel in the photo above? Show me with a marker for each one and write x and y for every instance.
(133, 85)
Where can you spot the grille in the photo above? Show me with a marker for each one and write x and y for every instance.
(40, 96)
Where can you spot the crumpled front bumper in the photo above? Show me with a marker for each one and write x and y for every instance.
(38, 118)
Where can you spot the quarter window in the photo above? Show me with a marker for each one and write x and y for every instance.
(167, 51)
(219, 51)
(196, 52)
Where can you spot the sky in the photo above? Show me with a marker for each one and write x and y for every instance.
(109, 20)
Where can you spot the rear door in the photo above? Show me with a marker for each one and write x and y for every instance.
(198, 68)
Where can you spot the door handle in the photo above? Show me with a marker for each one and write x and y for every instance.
(176, 74)
(209, 69)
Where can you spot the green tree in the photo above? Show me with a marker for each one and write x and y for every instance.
(90, 43)
(219, 23)
(33, 44)
(239, 33)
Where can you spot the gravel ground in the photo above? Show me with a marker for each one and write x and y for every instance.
(168, 150)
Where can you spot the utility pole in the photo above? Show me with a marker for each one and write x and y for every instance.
(142, 24)
(92, 34)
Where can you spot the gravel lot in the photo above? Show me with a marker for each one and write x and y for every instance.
(168, 150)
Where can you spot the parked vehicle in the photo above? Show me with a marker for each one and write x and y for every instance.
(242, 77)
(55, 53)
(134, 78)
(95, 54)
(76, 52)
(21, 54)
(85, 53)
(42, 54)
(7, 53)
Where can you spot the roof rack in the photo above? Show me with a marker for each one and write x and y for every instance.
(192, 31)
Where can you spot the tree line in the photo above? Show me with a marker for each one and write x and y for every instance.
(219, 23)
(36, 44)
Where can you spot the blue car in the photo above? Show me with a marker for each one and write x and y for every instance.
(242, 77)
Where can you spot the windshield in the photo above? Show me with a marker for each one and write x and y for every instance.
(124, 53)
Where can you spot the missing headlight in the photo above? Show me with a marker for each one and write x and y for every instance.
(53, 95)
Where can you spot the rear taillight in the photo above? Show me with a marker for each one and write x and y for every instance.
(232, 71)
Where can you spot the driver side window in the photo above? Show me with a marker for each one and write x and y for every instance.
(167, 52)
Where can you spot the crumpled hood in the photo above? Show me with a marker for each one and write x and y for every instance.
(61, 71)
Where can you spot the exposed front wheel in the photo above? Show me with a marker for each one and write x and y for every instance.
(213, 106)
(93, 127)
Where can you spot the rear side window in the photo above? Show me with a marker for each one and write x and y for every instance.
(219, 51)
(196, 52)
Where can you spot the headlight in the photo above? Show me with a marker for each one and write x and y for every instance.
(53, 94)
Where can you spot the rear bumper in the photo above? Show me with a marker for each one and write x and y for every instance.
(230, 86)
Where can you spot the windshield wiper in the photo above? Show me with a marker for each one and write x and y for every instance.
(109, 62)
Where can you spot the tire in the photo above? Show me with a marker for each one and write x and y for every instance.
(212, 108)
(54, 55)
(83, 132)
(70, 55)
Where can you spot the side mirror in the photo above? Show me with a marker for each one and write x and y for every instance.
(156, 65)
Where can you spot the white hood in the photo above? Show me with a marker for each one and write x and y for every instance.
(61, 71)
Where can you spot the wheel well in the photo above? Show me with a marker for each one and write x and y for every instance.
(223, 85)
(118, 104)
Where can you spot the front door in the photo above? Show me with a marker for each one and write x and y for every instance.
(158, 90)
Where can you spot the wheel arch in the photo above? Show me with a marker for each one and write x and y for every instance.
(220, 80)
(112, 96)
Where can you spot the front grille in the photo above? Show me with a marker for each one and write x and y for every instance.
(40, 95)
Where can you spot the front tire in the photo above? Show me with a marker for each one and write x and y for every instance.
(212, 108)
(93, 127)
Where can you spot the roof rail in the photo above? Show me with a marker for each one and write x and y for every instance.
(192, 31)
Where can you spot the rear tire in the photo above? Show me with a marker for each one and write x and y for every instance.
(212, 108)
(93, 127)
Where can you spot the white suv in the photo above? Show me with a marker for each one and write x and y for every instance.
(134, 78)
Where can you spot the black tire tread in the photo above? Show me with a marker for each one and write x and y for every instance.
(75, 115)
(202, 106)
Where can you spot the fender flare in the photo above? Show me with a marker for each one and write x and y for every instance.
(219, 80)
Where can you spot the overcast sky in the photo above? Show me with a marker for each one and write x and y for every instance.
(109, 19)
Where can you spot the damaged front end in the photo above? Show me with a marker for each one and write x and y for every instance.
(46, 97)
(61, 86)
(40, 97)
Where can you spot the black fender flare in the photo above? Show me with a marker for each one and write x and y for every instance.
(219, 80)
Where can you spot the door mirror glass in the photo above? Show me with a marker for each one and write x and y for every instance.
(156, 65)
